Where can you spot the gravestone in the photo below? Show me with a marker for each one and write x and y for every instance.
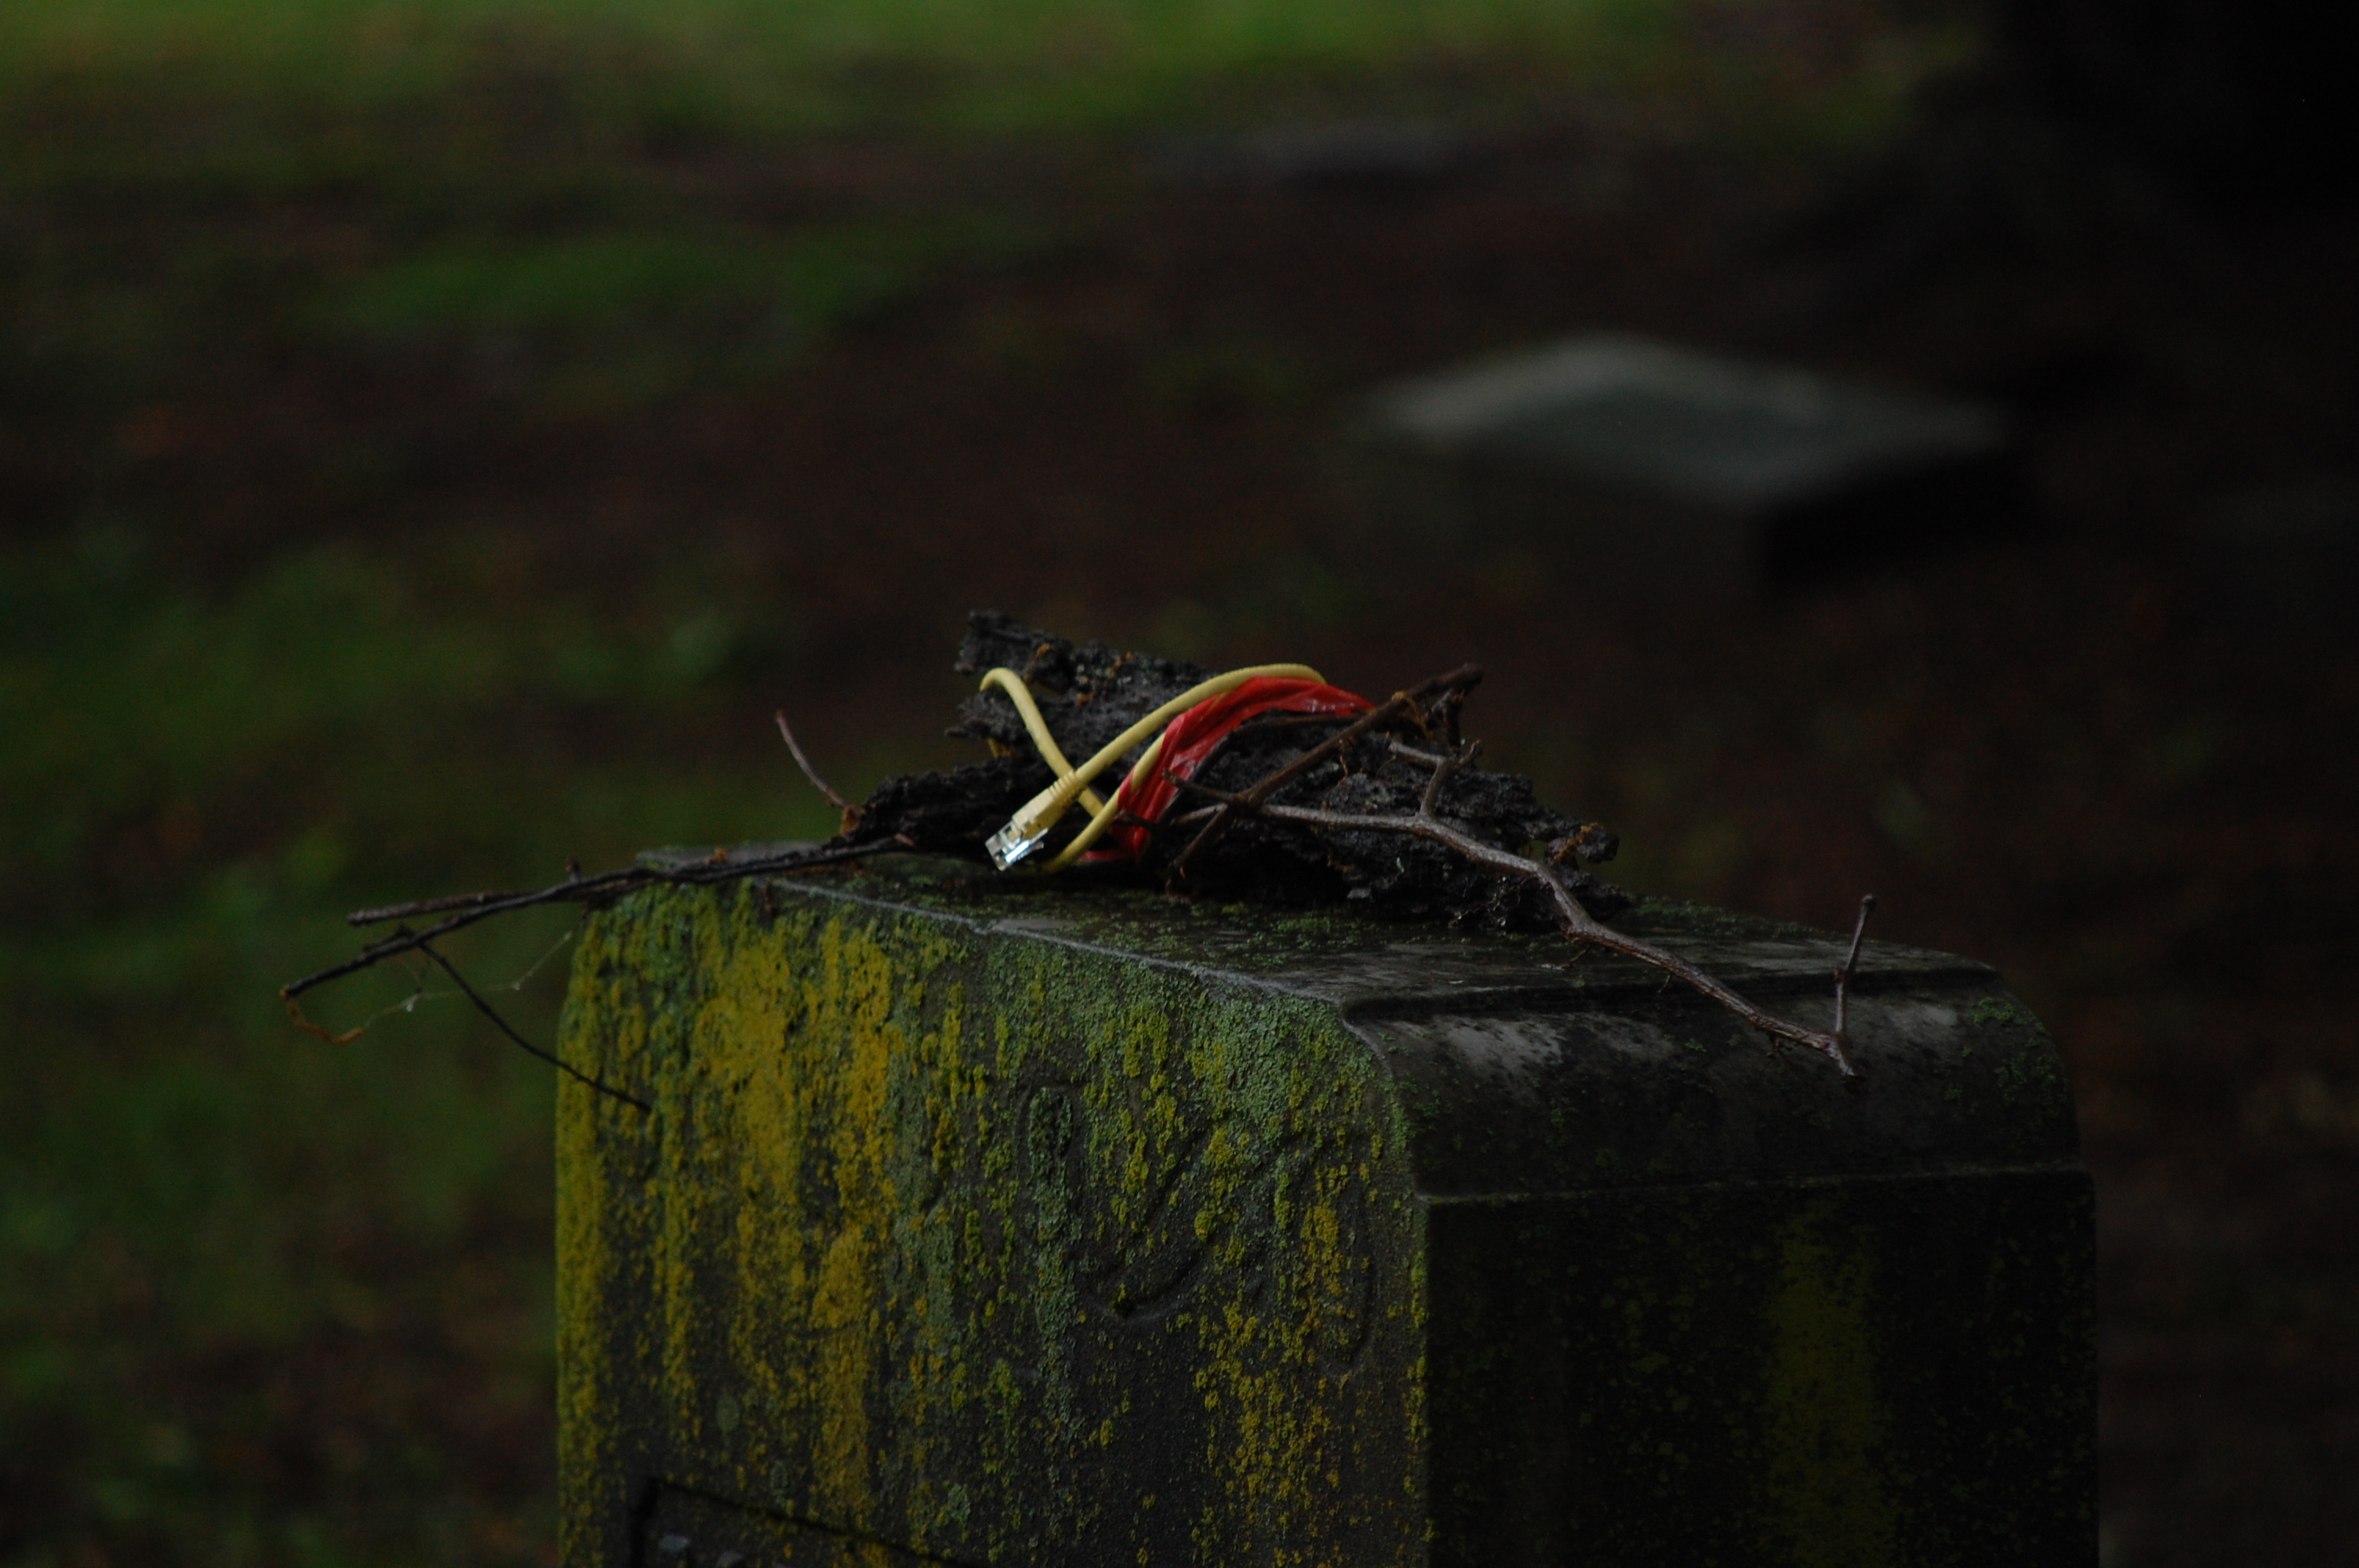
(1615, 459)
(981, 1220)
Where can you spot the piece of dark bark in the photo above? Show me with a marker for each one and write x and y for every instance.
(1088, 694)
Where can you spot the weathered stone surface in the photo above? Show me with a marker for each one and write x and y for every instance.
(1632, 461)
(980, 1222)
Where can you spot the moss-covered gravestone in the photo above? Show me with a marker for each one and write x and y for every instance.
(981, 1222)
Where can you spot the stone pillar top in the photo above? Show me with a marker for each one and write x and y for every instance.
(1529, 1066)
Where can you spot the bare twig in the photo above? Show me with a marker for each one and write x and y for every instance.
(804, 763)
(1427, 759)
(599, 889)
(433, 905)
(1400, 702)
(1262, 722)
(1442, 772)
(1453, 703)
(295, 1016)
(575, 888)
(488, 1011)
(1577, 923)
(1850, 967)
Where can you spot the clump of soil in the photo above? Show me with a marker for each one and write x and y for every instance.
(1088, 694)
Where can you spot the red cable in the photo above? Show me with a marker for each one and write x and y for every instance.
(1191, 739)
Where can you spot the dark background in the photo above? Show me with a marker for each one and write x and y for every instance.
(433, 438)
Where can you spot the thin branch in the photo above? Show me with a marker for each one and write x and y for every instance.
(1850, 967)
(1427, 759)
(1400, 702)
(1858, 931)
(1457, 680)
(1263, 723)
(575, 887)
(295, 1016)
(601, 889)
(1443, 772)
(804, 763)
(1577, 923)
(488, 1011)
(417, 907)
(1451, 705)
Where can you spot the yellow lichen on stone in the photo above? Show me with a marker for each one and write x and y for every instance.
(919, 1219)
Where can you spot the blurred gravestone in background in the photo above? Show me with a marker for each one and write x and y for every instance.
(2089, 124)
(1619, 465)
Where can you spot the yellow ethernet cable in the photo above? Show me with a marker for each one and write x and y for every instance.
(1032, 822)
(1019, 694)
(1103, 818)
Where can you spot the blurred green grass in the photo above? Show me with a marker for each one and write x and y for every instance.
(197, 782)
(615, 320)
(699, 68)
